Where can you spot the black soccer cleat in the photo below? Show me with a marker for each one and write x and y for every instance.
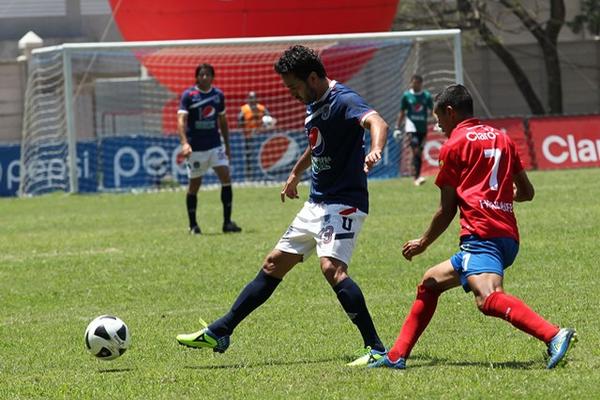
(231, 227)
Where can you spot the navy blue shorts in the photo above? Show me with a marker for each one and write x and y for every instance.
(478, 256)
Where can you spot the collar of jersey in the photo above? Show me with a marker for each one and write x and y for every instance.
(202, 91)
(331, 85)
(415, 93)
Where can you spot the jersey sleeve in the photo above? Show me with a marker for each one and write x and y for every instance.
(517, 165)
(185, 103)
(356, 108)
(221, 105)
(404, 102)
(449, 173)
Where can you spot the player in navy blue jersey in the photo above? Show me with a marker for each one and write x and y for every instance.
(201, 122)
(331, 219)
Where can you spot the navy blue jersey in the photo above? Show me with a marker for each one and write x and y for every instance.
(203, 109)
(335, 134)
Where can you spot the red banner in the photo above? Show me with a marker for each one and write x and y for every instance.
(515, 129)
(512, 126)
(566, 142)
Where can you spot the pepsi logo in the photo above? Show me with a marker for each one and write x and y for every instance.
(418, 107)
(317, 144)
(277, 155)
(208, 112)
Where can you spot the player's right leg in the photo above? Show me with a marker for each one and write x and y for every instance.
(216, 335)
(196, 168)
(436, 280)
(191, 202)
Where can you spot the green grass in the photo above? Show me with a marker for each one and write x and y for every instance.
(67, 259)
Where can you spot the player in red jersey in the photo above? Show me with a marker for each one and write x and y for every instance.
(481, 175)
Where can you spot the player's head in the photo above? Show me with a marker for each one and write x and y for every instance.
(453, 105)
(252, 98)
(416, 83)
(205, 73)
(302, 72)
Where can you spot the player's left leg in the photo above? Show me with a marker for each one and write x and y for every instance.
(337, 231)
(222, 172)
(493, 301)
(419, 143)
(483, 263)
(353, 302)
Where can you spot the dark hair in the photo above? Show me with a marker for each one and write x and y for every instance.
(416, 77)
(207, 67)
(456, 96)
(300, 61)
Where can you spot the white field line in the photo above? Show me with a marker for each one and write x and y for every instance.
(36, 255)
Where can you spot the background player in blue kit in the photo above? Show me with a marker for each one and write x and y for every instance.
(331, 219)
(201, 122)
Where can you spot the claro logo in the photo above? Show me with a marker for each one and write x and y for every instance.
(558, 149)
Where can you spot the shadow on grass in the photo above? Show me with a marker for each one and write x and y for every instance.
(114, 370)
(428, 361)
(264, 364)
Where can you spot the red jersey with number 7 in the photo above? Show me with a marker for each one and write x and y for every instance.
(479, 162)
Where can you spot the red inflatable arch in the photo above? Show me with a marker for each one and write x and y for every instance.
(141, 20)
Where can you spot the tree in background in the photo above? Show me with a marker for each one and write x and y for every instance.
(475, 16)
(589, 18)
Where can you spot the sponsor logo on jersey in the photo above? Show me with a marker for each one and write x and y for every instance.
(418, 107)
(481, 133)
(208, 112)
(317, 144)
(277, 155)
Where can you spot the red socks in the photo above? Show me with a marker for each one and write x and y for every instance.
(513, 310)
(417, 320)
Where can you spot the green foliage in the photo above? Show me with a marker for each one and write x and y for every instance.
(589, 18)
(67, 259)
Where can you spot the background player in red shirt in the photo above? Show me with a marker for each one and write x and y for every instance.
(480, 175)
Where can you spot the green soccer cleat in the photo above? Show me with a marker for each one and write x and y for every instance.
(204, 338)
(559, 345)
(369, 356)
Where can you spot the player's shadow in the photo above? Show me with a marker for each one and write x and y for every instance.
(428, 361)
(263, 364)
(114, 370)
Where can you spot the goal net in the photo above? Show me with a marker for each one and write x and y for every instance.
(103, 116)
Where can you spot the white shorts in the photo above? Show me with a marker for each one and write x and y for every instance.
(199, 162)
(331, 228)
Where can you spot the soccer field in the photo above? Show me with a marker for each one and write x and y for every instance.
(67, 259)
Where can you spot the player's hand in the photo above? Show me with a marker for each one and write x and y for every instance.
(184, 153)
(412, 248)
(228, 151)
(398, 134)
(290, 188)
(371, 159)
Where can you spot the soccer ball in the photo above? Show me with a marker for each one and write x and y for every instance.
(268, 121)
(107, 337)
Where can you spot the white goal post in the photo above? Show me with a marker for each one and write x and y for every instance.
(101, 116)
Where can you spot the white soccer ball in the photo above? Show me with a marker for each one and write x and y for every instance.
(268, 121)
(107, 337)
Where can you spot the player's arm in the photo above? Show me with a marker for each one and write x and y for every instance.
(378, 128)
(523, 188)
(182, 117)
(400, 119)
(290, 188)
(439, 223)
(224, 129)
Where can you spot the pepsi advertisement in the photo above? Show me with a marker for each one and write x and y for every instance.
(143, 161)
